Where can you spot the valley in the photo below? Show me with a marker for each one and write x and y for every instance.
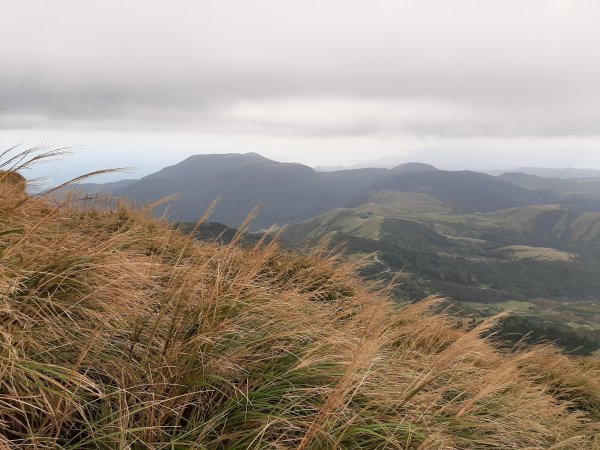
(539, 262)
(486, 243)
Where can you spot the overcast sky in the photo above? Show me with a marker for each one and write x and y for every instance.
(477, 84)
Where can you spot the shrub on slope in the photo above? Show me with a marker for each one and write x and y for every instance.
(118, 332)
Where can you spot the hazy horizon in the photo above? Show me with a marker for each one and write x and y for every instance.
(77, 163)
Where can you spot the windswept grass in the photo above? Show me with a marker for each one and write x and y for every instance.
(118, 332)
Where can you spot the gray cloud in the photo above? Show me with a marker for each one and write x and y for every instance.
(463, 68)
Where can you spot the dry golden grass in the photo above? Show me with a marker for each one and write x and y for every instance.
(118, 332)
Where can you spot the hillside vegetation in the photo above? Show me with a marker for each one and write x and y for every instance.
(543, 256)
(119, 332)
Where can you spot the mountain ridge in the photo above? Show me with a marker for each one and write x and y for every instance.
(286, 191)
(290, 192)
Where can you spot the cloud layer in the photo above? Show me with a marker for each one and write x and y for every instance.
(314, 69)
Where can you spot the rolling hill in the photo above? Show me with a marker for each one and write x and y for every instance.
(563, 173)
(582, 186)
(467, 191)
(287, 192)
(294, 192)
(539, 256)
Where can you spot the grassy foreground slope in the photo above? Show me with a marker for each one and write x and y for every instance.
(118, 332)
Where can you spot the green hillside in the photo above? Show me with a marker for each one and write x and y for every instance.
(483, 262)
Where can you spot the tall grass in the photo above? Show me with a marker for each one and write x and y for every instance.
(117, 332)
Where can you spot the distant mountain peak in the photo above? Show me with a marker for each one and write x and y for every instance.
(251, 156)
(413, 167)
